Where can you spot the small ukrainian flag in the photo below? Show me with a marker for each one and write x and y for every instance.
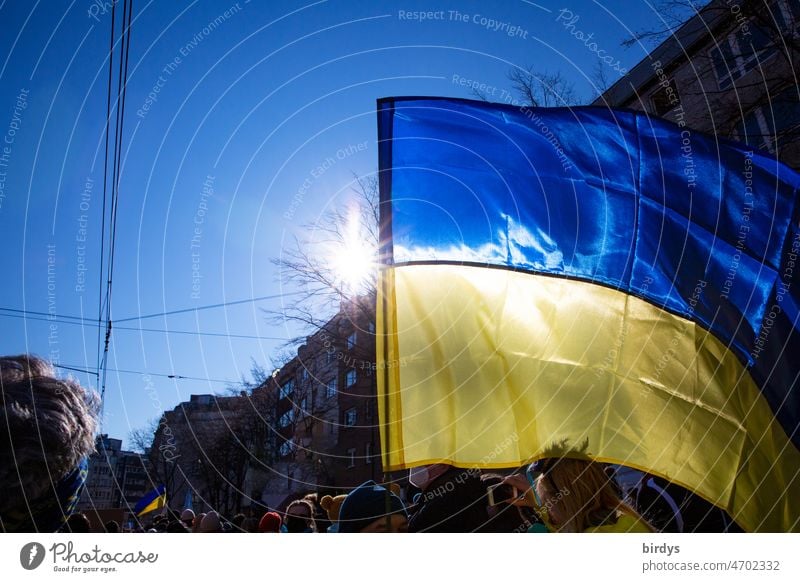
(155, 499)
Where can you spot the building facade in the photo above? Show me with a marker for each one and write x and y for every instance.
(326, 436)
(730, 71)
(116, 479)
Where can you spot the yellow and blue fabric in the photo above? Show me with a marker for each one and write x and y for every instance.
(49, 512)
(589, 275)
(155, 499)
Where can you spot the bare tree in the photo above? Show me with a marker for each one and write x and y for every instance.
(669, 16)
(600, 80)
(141, 439)
(315, 266)
(541, 88)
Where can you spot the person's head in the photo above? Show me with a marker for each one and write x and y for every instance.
(187, 517)
(48, 427)
(270, 523)
(577, 494)
(177, 527)
(370, 508)
(77, 523)
(300, 516)
(237, 520)
(250, 525)
(211, 523)
(198, 520)
(111, 527)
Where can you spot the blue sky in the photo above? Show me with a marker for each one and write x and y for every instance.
(239, 115)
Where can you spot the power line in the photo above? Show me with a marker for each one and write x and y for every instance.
(146, 372)
(91, 323)
(122, 86)
(190, 309)
(74, 369)
(49, 315)
(105, 182)
(150, 316)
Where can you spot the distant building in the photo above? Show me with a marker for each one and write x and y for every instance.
(729, 71)
(202, 450)
(117, 479)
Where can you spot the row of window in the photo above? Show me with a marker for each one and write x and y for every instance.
(732, 58)
(367, 455)
(330, 356)
(350, 415)
(749, 46)
(289, 447)
(350, 379)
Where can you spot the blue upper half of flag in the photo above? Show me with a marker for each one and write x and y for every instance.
(701, 227)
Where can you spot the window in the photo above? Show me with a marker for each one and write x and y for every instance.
(352, 453)
(762, 126)
(330, 389)
(350, 378)
(287, 448)
(351, 341)
(749, 46)
(665, 99)
(286, 389)
(330, 355)
(350, 417)
(286, 419)
(303, 374)
(304, 405)
(371, 327)
(368, 453)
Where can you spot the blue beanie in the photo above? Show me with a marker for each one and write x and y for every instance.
(365, 504)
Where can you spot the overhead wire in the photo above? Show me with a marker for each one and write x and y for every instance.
(105, 183)
(122, 84)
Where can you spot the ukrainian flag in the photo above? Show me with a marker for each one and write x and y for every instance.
(156, 499)
(590, 275)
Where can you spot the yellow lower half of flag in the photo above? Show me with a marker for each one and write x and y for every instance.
(157, 503)
(489, 367)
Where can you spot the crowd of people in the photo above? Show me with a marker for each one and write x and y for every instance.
(48, 427)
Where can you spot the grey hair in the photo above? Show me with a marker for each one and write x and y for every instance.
(47, 427)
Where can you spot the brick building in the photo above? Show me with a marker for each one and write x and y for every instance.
(326, 432)
(729, 71)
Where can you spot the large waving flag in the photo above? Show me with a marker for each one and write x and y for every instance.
(155, 499)
(590, 276)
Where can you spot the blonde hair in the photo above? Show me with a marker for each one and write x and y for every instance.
(585, 494)
(48, 426)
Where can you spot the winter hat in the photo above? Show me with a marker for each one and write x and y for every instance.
(187, 515)
(332, 505)
(270, 523)
(365, 504)
(211, 523)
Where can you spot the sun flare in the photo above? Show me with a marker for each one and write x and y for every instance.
(354, 258)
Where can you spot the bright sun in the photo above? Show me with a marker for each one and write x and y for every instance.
(354, 258)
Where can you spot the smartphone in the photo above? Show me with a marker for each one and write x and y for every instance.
(501, 493)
